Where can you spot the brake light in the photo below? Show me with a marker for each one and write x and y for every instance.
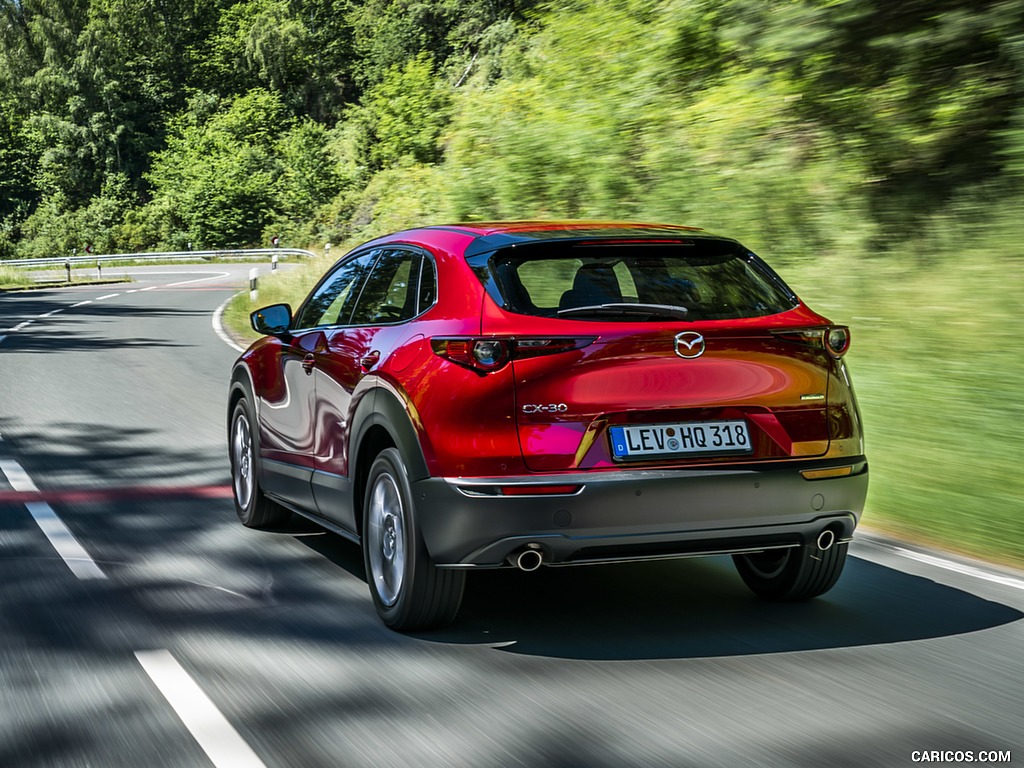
(484, 355)
(837, 340)
(648, 241)
(491, 353)
(834, 339)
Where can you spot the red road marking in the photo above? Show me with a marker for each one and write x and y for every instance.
(135, 493)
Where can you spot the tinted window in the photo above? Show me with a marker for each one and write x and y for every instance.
(705, 279)
(390, 293)
(332, 301)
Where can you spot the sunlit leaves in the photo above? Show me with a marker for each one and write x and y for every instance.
(403, 115)
(310, 173)
(827, 123)
(220, 175)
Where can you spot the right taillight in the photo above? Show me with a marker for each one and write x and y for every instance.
(837, 340)
(491, 353)
(834, 339)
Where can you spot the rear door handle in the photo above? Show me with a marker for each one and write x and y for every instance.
(308, 362)
(368, 361)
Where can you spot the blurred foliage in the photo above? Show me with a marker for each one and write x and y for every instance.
(799, 125)
(846, 140)
(402, 116)
(935, 358)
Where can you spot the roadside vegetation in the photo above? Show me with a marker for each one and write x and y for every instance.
(872, 151)
(11, 278)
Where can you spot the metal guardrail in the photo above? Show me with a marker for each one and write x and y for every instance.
(61, 261)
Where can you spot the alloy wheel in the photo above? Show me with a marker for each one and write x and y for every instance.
(386, 539)
(242, 465)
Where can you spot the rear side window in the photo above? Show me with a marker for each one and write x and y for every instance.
(392, 292)
(695, 280)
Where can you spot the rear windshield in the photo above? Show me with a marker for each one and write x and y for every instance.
(692, 280)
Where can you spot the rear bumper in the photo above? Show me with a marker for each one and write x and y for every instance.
(638, 514)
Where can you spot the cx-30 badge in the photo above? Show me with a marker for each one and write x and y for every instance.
(689, 344)
(549, 408)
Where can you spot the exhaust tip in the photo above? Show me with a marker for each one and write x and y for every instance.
(826, 539)
(527, 559)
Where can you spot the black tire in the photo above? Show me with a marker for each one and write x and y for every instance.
(791, 575)
(408, 590)
(254, 509)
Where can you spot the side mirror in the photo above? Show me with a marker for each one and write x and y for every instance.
(273, 320)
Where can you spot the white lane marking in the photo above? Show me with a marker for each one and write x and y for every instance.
(151, 288)
(17, 477)
(966, 570)
(108, 296)
(19, 326)
(67, 546)
(51, 314)
(133, 290)
(218, 326)
(218, 738)
(217, 276)
(81, 303)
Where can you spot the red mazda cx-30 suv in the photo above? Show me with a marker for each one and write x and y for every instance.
(552, 393)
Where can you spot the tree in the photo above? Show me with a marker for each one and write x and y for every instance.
(220, 176)
(404, 114)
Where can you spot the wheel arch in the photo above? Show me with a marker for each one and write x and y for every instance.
(382, 421)
(239, 387)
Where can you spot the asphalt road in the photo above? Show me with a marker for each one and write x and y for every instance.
(142, 625)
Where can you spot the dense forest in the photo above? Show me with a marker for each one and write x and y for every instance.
(798, 125)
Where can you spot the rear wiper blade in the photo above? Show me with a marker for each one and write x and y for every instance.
(662, 310)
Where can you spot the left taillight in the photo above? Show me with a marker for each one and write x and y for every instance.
(483, 355)
(834, 339)
(491, 353)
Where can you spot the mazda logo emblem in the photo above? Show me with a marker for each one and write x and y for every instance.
(689, 344)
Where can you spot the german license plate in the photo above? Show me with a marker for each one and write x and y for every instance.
(653, 440)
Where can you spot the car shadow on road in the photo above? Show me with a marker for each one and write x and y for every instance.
(700, 608)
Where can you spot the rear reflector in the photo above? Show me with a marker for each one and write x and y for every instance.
(822, 474)
(493, 491)
(539, 490)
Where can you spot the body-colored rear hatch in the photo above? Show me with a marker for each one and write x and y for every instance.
(686, 352)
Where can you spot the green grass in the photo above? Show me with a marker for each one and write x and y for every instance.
(13, 278)
(288, 287)
(936, 365)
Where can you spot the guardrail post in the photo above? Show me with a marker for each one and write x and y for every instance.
(67, 267)
(273, 263)
(254, 291)
(99, 271)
